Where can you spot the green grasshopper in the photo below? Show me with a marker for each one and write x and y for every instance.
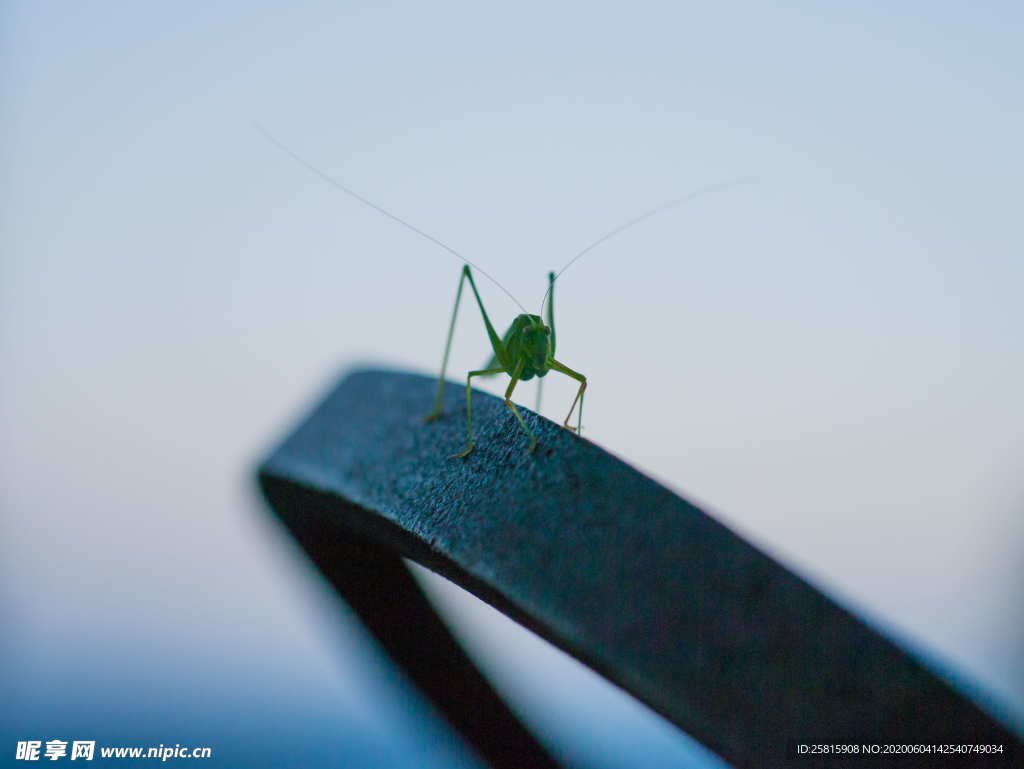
(527, 349)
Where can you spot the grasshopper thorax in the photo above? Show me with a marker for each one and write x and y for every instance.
(529, 341)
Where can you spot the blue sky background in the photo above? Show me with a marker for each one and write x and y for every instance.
(830, 357)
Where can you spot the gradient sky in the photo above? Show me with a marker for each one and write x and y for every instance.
(830, 357)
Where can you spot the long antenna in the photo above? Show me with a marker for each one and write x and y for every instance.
(643, 217)
(335, 183)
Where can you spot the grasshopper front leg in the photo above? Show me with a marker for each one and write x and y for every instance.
(512, 407)
(469, 409)
(556, 366)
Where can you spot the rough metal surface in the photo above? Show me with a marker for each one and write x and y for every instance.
(615, 569)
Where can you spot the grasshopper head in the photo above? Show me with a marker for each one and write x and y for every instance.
(538, 338)
(532, 341)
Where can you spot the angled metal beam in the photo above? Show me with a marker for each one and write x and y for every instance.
(603, 562)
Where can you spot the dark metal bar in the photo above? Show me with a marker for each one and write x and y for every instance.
(605, 563)
(376, 584)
